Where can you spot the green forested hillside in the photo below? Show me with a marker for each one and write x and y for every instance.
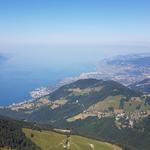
(137, 138)
(48, 140)
(11, 136)
(79, 96)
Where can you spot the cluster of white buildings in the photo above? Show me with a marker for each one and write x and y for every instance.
(39, 92)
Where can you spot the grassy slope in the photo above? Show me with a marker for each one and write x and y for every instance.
(48, 140)
(132, 106)
(110, 101)
(114, 101)
(5, 148)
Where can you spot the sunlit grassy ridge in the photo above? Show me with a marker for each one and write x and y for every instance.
(5, 148)
(110, 101)
(114, 101)
(48, 140)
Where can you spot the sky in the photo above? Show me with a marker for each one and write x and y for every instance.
(74, 22)
(44, 41)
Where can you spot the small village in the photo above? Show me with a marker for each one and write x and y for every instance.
(122, 119)
(39, 92)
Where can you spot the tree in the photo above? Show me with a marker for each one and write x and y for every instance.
(32, 135)
(111, 109)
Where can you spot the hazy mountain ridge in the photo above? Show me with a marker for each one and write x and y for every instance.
(131, 59)
(126, 69)
(143, 86)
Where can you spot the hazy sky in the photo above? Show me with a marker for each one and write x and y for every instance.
(74, 22)
(47, 40)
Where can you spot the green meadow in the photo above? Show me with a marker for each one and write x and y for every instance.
(48, 140)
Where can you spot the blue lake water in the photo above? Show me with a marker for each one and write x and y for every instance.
(15, 85)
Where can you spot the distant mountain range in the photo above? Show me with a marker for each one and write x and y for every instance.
(141, 60)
